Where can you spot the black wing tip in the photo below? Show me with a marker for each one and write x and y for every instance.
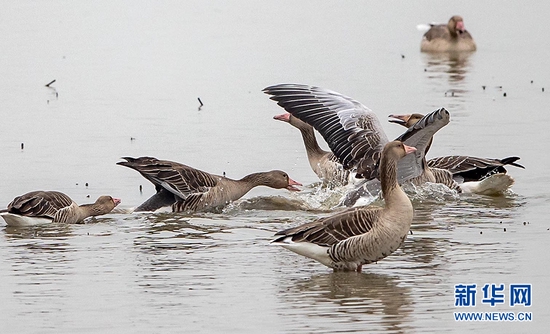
(511, 161)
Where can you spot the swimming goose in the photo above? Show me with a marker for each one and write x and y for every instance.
(323, 163)
(450, 37)
(357, 236)
(354, 133)
(463, 168)
(41, 207)
(187, 189)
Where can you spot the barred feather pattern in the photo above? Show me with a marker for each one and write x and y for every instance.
(361, 235)
(179, 179)
(445, 177)
(473, 168)
(351, 130)
(39, 204)
(58, 207)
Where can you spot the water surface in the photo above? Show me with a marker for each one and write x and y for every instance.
(128, 75)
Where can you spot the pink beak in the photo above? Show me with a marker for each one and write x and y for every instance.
(283, 117)
(409, 149)
(460, 26)
(292, 183)
(399, 119)
(117, 201)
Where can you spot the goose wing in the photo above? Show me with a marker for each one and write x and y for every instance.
(39, 204)
(472, 168)
(352, 131)
(179, 179)
(331, 230)
(420, 135)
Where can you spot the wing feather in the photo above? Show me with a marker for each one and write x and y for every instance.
(179, 179)
(331, 230)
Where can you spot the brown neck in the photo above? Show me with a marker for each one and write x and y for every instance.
(250, 181)
(308, 135)
(89, 210)
(388, 177)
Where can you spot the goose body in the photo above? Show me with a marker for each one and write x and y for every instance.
(355, 135)
(43, 207)
(323, 163)
(187, 189)
(351, 238)
(450, 37)
(469, 174)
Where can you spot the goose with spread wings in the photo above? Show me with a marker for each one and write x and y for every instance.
(355, 135)
(486, 176)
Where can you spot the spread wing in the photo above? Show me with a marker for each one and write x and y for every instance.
(420, 135)
(352, 131)
(331, 230)
(39, 204)
(179, 179)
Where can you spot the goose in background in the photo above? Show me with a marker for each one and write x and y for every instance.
(450, 37)
(467, 171)
(187, 189)
(351, 238)
(355, 135)
(323, 163)
(43, 207)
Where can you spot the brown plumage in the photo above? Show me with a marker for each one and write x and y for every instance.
(54, 206)
(462, 168)
(448, 37)
(362, 235)
(187, 189)
(323, 163)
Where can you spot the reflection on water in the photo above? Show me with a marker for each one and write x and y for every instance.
(361, 300)
(451, 68)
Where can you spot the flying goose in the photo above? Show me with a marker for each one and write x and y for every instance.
(42, 207)
(323, 163)
(467, 170)
(448, 37)
(351, 238)
(354, 133)
(187, 189)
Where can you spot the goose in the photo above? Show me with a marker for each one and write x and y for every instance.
(356, 236)
(467, 171)
(450, 37)
(323, 163)
(42, 207)
(187, 189)
(355, 135)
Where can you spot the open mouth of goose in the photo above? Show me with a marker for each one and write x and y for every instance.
(292, 184)
(398, 119)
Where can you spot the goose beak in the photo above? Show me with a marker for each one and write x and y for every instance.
(116, 201)
(291, 184)
(283, 117)
(460, 26)
(399, 119)
(409, 149)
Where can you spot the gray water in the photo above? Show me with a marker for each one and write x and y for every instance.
(128, 78)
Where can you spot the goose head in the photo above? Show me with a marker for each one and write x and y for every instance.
(294, 121)
(396, 150)
(278, 179)
(407, 120)
(456, 25)
(104, 205)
